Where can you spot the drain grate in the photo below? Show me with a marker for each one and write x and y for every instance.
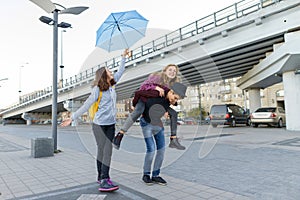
(295, 142)
(7, 146)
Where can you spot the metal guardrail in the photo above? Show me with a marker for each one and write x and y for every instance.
(221, 17)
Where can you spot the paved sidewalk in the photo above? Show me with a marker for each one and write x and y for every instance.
(21, 175)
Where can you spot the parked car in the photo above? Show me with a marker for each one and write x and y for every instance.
(228, 114)
(190, 121)
(272, 116)
(180, 122)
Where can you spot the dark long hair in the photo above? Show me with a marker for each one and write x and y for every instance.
(101, 79)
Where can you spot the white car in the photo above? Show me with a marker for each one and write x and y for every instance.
(272, 116)
(180, 122)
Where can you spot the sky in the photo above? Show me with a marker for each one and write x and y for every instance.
(26, 44)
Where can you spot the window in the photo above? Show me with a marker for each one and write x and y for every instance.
(280, 110)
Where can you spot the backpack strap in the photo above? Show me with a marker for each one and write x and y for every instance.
(99, 97)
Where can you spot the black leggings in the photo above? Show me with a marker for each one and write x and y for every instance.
(104, 136)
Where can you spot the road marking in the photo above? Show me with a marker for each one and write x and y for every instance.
(295, 142)
(91, 197)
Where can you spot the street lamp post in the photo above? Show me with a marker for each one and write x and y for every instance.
(54, 80)
(50, 7)
(200, 106)
(61, 58)
(20, 82)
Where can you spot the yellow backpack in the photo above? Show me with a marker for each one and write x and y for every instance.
(94, 107)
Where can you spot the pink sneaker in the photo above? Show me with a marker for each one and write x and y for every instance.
(107, 185)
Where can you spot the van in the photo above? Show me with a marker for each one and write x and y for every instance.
(228, 114)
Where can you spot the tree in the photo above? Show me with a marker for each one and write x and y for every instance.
(195, 113)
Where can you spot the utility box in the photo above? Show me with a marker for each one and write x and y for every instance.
(42, 147)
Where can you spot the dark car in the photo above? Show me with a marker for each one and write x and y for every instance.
(228, 114)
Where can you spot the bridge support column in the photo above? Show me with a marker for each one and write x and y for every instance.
(254, 99)
(291, 82)
(72, 106)
(28, 117)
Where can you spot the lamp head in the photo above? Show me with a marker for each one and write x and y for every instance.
(64, 25)
(46, 20)
(74, 10)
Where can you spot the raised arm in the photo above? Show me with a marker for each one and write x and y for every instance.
(121, 69)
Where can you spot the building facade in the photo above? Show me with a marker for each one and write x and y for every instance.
(226, 92)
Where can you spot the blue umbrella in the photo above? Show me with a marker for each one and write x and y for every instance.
(121, 30)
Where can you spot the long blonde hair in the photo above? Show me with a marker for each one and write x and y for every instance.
(164, 79)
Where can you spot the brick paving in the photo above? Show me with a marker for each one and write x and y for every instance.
(245, 164)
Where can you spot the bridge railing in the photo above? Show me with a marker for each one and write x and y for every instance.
(221, 17)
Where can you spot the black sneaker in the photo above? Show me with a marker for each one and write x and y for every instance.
(174, 143)
(159, 180)
(147, 179)
(107, 186)
(117, 140)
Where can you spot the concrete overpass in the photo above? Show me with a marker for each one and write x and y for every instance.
(235, 41)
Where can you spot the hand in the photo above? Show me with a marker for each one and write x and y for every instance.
(160, 90)
(166, 115)
(127, 53)
(66, 122)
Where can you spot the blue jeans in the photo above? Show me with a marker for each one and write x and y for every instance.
(155, 141)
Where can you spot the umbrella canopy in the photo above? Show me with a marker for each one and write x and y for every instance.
(121, 30)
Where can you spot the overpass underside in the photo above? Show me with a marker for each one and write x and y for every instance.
(281, 65)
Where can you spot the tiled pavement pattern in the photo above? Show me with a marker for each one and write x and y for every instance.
(21, 175)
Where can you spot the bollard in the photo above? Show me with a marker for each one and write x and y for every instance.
(42, 147)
